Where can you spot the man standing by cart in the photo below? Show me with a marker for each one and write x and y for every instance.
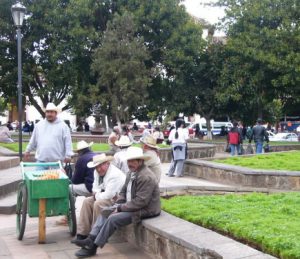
(51, 138)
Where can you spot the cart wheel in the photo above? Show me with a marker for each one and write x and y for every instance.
(21, 210)
(72, 215)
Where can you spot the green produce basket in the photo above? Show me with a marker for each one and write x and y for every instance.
(56, 191)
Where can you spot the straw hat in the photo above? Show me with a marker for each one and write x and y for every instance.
(98, 160)
(82, 145)
(149, 141)
(136, 153)
(52, 107)
(124, 141)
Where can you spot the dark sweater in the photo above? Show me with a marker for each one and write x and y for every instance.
(82, 173)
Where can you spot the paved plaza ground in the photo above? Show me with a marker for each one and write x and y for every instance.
(58, 244)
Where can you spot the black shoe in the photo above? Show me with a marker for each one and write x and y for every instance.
(78, 237)
(83, 252)
(86, 243)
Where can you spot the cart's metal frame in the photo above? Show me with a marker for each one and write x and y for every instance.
(23, 200)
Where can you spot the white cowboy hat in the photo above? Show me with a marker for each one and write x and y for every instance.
(124, 141)
(98, 160)
(135, 153)
(149, 141)
(82, 145)
(52, 107)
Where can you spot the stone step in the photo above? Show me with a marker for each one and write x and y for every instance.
(8, 203)
(9, 162)
(9, 180)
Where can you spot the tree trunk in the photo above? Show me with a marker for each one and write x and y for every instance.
(208, 125)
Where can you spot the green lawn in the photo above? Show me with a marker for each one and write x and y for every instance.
(97, 147)
(278, 161)
(271, 222)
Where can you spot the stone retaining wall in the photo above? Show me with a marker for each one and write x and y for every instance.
(220, 146)
(194, 151)
(169, 237)
(236, 175)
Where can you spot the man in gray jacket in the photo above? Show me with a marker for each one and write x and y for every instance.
(51, 138)
(138, 199)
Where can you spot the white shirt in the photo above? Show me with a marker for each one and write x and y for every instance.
(183, 135)
(113, 181)
(120, 160)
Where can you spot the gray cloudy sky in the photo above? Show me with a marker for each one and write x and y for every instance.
(197, 8)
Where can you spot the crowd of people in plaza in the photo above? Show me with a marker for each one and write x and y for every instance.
(122, 186)
(118, 190)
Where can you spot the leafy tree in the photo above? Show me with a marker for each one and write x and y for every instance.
(264, 62)
(58, 37)
(120, 66)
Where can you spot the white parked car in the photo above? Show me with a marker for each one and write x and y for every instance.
(270, 134)
(284, 137)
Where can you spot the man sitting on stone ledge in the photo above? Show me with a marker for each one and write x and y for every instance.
(138, 199)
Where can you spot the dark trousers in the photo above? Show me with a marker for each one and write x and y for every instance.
(105, 227)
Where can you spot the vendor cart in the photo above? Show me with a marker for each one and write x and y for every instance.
(44, 192)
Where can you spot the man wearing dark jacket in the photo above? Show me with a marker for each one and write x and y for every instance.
(259, 134)
(139, 198)
(83, 176)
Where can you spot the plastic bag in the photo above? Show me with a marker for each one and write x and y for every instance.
(227, 148)
(267, 148)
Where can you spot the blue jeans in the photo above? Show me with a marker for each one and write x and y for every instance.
(259, 147)
(234, 147)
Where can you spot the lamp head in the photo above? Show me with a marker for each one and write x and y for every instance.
(18, 12)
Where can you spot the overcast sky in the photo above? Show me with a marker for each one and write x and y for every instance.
(198, 9)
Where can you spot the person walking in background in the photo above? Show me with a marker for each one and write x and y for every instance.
(51, 138)
(86, 127)
(177, 138)
(234, 139)
(259, 135)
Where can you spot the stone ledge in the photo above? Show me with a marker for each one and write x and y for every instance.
(236, 175)
(194, 151)
(169, 237)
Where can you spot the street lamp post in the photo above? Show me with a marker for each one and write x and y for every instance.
(18, 13)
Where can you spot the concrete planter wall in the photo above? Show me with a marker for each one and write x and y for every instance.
(194, 151)
(236, 175)
(168, 237)
(221, 145)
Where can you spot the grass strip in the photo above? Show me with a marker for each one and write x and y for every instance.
(289, 161)
(268, 222)
(96, 147)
